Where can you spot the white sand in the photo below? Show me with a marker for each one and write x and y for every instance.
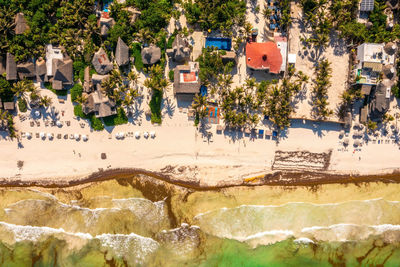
(337, 55)
(177, 144)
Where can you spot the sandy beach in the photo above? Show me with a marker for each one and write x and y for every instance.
(180, 150)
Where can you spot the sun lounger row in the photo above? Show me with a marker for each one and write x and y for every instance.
(137, 135)
(51, 123)
(51, 136)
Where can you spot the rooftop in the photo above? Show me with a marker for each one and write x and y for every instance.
(264, 56)
(186, 79)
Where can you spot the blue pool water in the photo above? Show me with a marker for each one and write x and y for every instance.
(219, 42)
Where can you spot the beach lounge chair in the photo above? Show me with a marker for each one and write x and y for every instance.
(65, 136)
(68, 123)
(37, 135)
(38, 123)
(32, 124)
(46, 123)
(71, 136)
(58, 136)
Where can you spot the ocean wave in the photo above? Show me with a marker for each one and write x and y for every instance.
(345, 221)
(121, 244)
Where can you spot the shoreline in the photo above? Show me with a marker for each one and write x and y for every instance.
(277, 178)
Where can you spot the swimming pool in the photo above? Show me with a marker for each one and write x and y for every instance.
(219, 42)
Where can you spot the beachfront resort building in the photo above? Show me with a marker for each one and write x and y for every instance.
(21, 26)
(180, 51)
(99, 104)
(101, 62)
(121, 53)
(371, 60)
(11, 67)
(264, 56)
(151, 55)
(58, 68)
(186, 79)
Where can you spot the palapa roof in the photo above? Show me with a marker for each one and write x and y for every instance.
(263, 56)
(380, 103)
(366, 89)
(26, 70)
(63, 73)
(229, 56)
(11, 67)
(87, 83)
(101, 62)
(389, 71)
(181, 87)
(180, 48)
(100, 104)
(9, 105)
(20, 24)
(364, 114)
(151, 54)
(121, 53)
(390, 48)
(98, 79)
(41, 70)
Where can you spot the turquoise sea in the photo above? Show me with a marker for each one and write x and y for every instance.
(134, 224)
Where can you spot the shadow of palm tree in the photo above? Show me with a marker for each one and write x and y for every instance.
(169, 106)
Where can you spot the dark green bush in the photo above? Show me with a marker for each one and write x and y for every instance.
(117, 119)
(171, 75)
(136, 52)
(22, 105)
(155, 106)
(76, 91)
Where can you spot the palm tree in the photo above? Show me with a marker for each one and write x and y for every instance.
(156, 80)
(45, 101)
(199, 105)
(81, 99)
(133, 77)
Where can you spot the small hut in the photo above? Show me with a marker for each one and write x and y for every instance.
(151, 55)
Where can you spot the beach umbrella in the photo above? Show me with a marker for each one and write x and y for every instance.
(121, 135)
(58, 123)
(117, 135)
(28, 135)
(341, 133)
(37, 113)
(84, 137)
(346, 141)
(146, 134)
(153, 134)
(42, 135)
(356, 143)
(76, 136)
(50, 136)
(137, 134)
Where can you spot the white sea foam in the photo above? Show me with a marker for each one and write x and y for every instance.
(303, 240)
(121, 244)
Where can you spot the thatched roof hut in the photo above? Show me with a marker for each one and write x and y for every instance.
(40, 70)
(26, 70)
(20, 24)
(121, 53)
(151, 55)
(11, 67)
(101, 62)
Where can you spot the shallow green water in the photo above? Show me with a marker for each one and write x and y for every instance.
(114, 225)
